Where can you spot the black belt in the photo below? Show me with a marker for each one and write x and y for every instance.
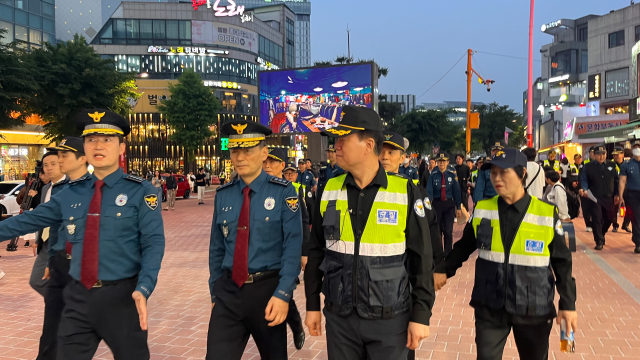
(259, 276)
(102, 283)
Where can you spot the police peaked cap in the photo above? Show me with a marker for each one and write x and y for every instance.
(101, 122)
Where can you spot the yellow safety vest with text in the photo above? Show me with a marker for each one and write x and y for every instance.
(556, 165)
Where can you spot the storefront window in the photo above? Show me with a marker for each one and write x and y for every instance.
(564, 62)
(18, 160)
(617, 83)
(617, 109)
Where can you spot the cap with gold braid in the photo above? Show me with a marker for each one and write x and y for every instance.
(278, 154)
(69, 143)
(101, 122)
(245, 134)
(443, 156)
(394, 139)
(354, 119)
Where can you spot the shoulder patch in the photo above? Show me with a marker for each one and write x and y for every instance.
(134, 178)
(76, 181)
(278, 181)
(292, 203)
(226, 185)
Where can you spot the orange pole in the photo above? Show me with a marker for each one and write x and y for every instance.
(469, 75)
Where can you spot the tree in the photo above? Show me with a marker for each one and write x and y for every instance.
(425, 129)
(72, 76)
(190, 111)
(493, 120)
(17, 84)
(388, 110)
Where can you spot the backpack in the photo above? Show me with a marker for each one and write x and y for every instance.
(573, 203)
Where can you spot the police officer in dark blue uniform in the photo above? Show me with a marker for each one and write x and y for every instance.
(407, 170)
(332, 169)
(254, 257)
(443, 190)
(484, 188)
(305, 176)
(116, 232)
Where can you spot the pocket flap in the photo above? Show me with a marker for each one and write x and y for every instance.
(386, 273)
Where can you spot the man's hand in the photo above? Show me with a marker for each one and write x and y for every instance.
(439, 280)
(304, 262)
(616, 200)
(33, 193)
(276, 311)
(416, 332)
(582, 193)
(141, 305)
(47, 275)
(314, 322)
(458, 213)
(574, 184)
(570, 317)
(622, 204)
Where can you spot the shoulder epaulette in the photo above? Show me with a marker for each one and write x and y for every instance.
(134, 178)
(76, 181)
(226, 185)
(279, 181)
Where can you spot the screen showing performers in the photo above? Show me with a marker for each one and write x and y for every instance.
(310, 100)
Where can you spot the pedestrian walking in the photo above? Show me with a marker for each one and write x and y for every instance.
(172, 188)
(599, 180)
(444, 192)
(191, 179)
(369, 254)
(484, 188)
(200, 185)
(585, 202)
(556, 195)
(551, 161)
(108, 218)
(618, 159)
(305, 176)
(274, 166)
(629, 190)
(255, 251)
(157, 181)
(521, 250)
(535, 181)
(463, 173)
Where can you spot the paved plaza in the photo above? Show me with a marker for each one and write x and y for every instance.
(608, 305)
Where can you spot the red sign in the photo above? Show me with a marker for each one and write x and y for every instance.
(587, 127)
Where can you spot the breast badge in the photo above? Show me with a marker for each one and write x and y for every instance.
(121, 200)
(269, 203)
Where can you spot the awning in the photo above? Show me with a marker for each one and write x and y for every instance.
(553, 146)
(620, 131)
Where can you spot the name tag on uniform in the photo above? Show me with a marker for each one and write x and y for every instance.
(534, 246)
(387, 217)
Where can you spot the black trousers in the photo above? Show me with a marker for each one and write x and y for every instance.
(632, 200)
(238, 313)
(352, 337)
(445, 213)
(107, 313)
(53, 305)
(603, 214)
(532, 340)
(586, 205)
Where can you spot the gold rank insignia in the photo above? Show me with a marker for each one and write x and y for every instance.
(292, 203)
(151, 201)
(96, 116)
(239, 128)
(500, 153)
(71, 228)
(338, 132)
(388, 137)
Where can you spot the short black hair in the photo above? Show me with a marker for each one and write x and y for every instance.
(49, 153)
(530, 153)
(519, 169)
(552, 175)
(377, 137)
(459, 156)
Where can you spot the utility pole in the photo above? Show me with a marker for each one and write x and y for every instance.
(473, 119)
(348, 45)
(530, 84)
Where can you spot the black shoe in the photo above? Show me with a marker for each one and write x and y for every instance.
(298, 340)
(637, 250)
(26, 244)
(626, 228)
(615, 230)
(599, 247)
(165, 209)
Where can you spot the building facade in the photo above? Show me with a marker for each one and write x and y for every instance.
(31, 22)
(407, 102)
(158, 41)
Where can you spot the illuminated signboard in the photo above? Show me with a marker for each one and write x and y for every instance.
(224, 142)
(563, 97)
(594, 86)
(188, 50)
(224, 11)
(265, 65)
(559, 78)
(550, 25)
(568, 130)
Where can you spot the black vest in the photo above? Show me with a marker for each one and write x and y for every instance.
(601, 178)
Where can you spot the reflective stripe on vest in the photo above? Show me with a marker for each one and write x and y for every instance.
(556, 165)
(384, 234)
(474, 176)
(531, 244)
(297, 186)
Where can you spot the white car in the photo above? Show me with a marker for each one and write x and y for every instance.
(9, 190)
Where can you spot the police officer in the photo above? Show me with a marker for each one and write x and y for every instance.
(407, 170)
(369, 244)
(305, 176)
(291, 175)
(521, 251)
(585, 203)
(254, 257)
(444, 192)
(473, 178)
(115, 229)
(273, 166)
(618, 159)
(551, 161)
(630, 188)
(484, 188)
(591, 155)
(73, 164)
(601, 178)
(332, 169)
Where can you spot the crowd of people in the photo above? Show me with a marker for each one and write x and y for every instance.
(370, 232)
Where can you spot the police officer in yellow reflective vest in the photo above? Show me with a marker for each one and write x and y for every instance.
(522, 260)
(551, 161)
(370, 243)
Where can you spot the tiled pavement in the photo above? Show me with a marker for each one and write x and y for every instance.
(609, 318)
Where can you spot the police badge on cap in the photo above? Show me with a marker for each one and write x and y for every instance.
(245, 134)
(101, 122)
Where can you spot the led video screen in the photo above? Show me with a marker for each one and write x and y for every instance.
(311, 99)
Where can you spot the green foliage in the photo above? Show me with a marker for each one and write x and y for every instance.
(72, 76)
(493, 120)
(388, 110)
(190, 111)
(426, 128)
(343, 59)
(17, 84)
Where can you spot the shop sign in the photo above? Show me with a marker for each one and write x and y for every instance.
(556, 107)
(222, 84)
(638, 106)
(594, 86)
(563, 97)
(153, 99)
(550, 25)
(568, 130)
(214, 33)
(559, 78)
(224, 11)
(587, 127)
(224, 143)
(266, 64)
(4, 151)
(18, 151)
(186, 50)
(593, 108)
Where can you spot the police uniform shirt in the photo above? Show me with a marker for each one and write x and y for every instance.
(304, 197)
(434, 186)
(275, 231)
(55, 244)
(601, 179)
(560, 257)
(306, 178)
(409, 171)
(631, 169)
(333, 171)
(420, 258)
(131, 227)
(484, 187)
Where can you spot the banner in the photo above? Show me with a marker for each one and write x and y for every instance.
(213, 33)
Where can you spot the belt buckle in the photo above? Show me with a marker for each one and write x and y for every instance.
(68, 256)
(98, 284)
(249, 279)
